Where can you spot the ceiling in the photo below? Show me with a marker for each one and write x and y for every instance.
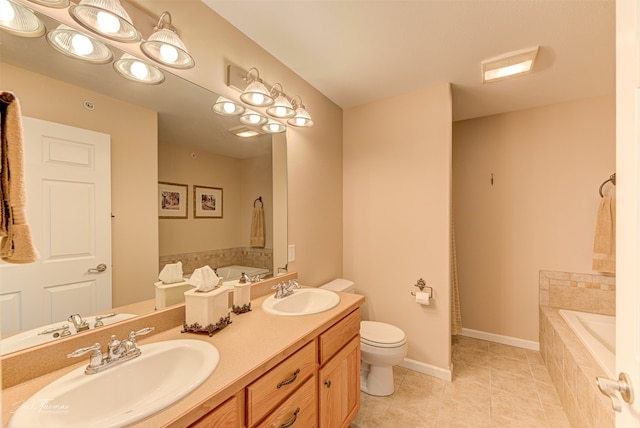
(359, 51)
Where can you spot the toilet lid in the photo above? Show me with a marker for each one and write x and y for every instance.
(381, 334)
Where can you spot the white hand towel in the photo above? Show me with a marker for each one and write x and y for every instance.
(204, 279)
(171, 273)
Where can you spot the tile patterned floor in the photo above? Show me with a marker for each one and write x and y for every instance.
(494, 385)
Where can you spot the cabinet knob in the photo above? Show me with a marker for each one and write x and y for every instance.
(327, 383)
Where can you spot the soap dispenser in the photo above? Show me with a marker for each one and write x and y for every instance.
(242, 295)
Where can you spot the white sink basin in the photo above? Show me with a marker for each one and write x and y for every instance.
(30, 338)
(123, 394)
(304, 301)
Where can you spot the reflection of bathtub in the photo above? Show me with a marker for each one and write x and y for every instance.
(230, 273)
(598, 333)
(30, 338)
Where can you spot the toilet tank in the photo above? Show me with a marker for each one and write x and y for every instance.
(340, 284)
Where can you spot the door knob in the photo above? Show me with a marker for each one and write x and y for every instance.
(100, 268)
(610, 387)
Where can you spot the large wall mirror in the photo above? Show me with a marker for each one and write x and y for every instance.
(166, 133)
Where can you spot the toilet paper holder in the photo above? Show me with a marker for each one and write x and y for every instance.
(421, 284)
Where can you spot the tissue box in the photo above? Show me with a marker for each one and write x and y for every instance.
(206, 308)
(170, 294)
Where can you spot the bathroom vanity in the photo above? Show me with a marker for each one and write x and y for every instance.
(273, 370)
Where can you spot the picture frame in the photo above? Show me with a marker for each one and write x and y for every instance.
(173, 200)
(207, 202)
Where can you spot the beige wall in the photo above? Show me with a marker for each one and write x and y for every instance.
(314, 154)
(133, 133)
(242, 182)
(397, 193)
(548, 164)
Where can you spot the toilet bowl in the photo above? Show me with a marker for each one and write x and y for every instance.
(382, 346)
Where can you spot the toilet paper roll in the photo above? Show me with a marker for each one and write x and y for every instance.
(422, 297)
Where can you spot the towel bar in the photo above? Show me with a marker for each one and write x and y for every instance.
(612, 179)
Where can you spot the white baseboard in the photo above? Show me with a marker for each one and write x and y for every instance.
(505, 340)
(427, 369)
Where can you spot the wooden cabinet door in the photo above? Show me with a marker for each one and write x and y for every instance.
(227, 415)
(339, 387)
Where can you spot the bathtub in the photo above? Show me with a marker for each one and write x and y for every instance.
(229, 273)
(598, 333)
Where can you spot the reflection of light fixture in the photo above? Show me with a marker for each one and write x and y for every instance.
(273, 127)
(250, 117)
(58, 4)
(227, 107)
(165, 47)
(301, 116)
(19, 21)
(107, 18)
(73, 43)
(134, 69)
(244, 132)
(508, 65)
(256, 94)
(281, 107)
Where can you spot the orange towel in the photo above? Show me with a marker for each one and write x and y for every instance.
(604, 243)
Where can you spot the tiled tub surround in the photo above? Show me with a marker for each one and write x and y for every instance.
(572, 368)
(245, 256)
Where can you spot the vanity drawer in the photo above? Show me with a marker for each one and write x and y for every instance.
(299, 410)
(332, 340)
(274, 386)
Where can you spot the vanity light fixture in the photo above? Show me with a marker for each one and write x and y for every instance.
(301, 118)
(508, 65)
(273, 127)
(136, 70)
(256, 94)
(107, 18)
(253, 118)
(19, 20)
(165, 46)
(77, 45)
(226, 107)
(281, 107)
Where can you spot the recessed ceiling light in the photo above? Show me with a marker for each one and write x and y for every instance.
(243, 131)
(508, 65)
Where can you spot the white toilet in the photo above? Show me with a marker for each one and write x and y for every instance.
(381, 347)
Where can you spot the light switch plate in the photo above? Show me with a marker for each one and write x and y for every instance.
(291, 253)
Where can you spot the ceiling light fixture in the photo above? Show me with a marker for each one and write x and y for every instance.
(508, 65)
(77, 45)
(253, 118)
(165, 46)
(281, 107)
(244, 132)
(137, 70)
(107, 18)
(301, 117)
(226, 107)
(256, 94)
(273, 127)
(19, 21)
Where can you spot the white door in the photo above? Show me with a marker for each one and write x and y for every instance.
(628, 200)
(68, 186)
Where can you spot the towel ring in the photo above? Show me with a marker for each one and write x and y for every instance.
(612, 179)
(258, 199)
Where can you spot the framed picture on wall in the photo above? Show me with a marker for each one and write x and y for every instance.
(172, 200)
(207, 202)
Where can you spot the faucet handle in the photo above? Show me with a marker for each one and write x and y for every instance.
(145, 330)
(82, 351)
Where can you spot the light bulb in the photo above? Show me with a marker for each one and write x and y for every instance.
(253, 118)
(108, 23)
(168, 53)
(274, 127)
(6, 11)
(280, 111)
(229, 107)
(140, 70)
(81, 44)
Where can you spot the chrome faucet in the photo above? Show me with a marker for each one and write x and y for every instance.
(117, 351)
(285, 289)
(78, 322)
